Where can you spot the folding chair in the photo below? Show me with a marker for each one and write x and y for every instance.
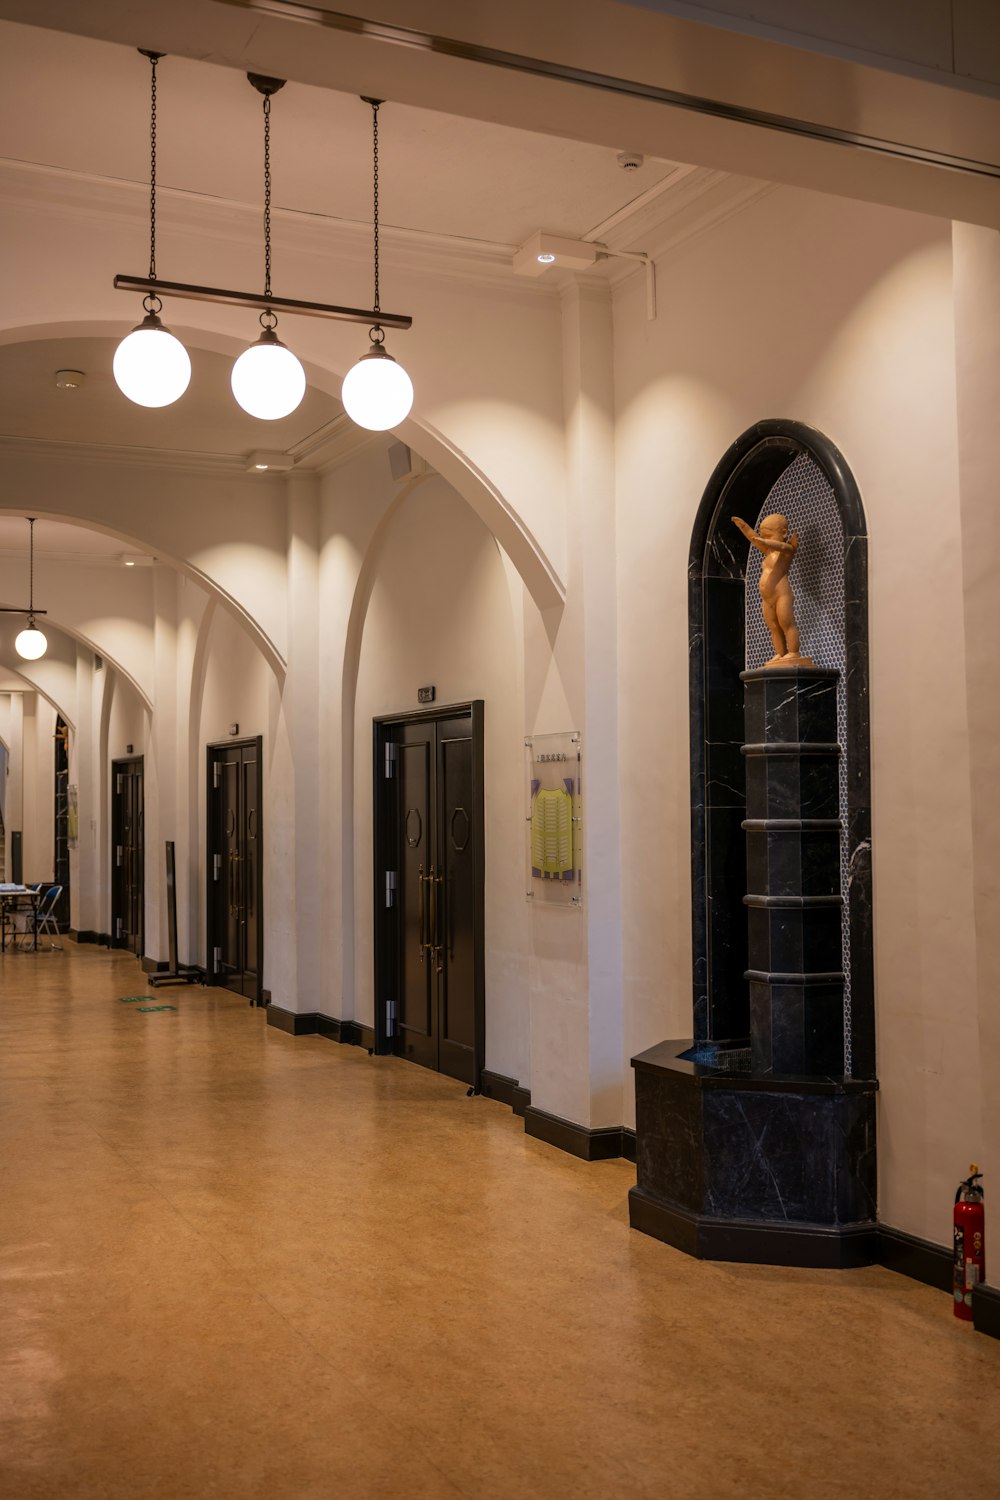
(46, 919)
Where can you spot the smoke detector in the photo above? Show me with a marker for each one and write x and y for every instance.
(630, 161)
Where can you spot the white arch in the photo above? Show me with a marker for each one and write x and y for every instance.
(495, 510)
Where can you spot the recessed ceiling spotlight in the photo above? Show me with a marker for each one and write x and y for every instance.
(69, 380)
(262, 462)
(543, 250)
(136, 560)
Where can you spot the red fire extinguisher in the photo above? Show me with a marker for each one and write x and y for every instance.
(970, 1242)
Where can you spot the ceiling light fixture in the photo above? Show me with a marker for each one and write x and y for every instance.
(29, 642)
(267, 380)
(152, 368)
(377, 392)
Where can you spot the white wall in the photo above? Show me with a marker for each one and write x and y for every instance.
(840, 316)
(441, 613)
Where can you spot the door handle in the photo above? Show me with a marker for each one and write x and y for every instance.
(437, 947)
(421, 945)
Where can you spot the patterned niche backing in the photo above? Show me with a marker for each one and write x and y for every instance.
(807, 499)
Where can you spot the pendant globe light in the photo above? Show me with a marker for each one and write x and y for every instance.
(30, 642)
(151, 367)
(377, 393)
(267, 380)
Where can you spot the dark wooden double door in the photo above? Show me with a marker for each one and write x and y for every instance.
(235, 867)
(429, 926)
(128, 861)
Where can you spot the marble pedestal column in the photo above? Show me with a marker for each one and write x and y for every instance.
(771, 1160)
(794, 904)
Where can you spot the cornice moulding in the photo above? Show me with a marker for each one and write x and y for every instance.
(656, 227)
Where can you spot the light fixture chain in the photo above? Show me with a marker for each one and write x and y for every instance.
(152, 172)
(31, 568)
(267, 195)
(375, 305)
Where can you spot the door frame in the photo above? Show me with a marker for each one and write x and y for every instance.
(385, 954)
(129, 760)
(246, 743)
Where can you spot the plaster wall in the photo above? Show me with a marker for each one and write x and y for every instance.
(107, 606)
(441, 613)
(38, 787)
(977, 344)
(840, 316)
(128, 721)
(237, 687)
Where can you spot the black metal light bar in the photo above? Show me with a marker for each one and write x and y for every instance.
(8, 609)
(183, 290)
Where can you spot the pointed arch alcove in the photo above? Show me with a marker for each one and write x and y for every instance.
(739, 1157)
(741, 483)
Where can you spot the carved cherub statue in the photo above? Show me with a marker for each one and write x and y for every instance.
(777, 601)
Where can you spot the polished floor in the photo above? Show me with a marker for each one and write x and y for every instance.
(236, 1264)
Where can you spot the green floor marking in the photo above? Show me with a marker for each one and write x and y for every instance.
(132, 999)
(145, 1009)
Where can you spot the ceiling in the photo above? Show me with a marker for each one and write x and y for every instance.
(83, 106)
(58, 541)
(205, 422)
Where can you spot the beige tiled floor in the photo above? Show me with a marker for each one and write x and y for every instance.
(237, 1264)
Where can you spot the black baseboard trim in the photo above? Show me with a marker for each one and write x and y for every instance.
(919, 1259)
(293, 1023)
(88, 935)
(154, 965)
(497, 1086)
(348, 1033)
(628, 1143)
(315, 1023)
(520, 1100)
(603, 1144)
(265, 997)
(812, 1245)
(986, 1310)
(357, 1034)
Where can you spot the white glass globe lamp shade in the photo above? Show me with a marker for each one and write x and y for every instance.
(267, 380)
(377, 392)
(30, 642)
(151, 367)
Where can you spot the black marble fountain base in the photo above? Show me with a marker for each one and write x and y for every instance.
(772, 1170)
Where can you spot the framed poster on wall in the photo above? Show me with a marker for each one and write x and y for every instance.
(554, 764)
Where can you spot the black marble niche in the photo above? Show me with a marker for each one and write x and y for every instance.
(717, 655)
(780, 1171)
(751, 1143)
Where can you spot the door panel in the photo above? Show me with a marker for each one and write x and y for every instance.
(429, 933)
(414, 861)
(235, 867)
(456, 952)
(127, 855)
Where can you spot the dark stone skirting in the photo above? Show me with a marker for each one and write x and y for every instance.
(578, 1140)
(986, 1310)
(919, 1259)
(602, 1144)
(709, 1238)
(102, 939)
(315, 1023)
